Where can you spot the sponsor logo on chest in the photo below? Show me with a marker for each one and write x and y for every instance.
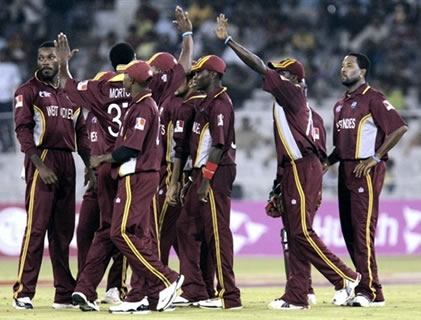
(56, 111)
(346, 123)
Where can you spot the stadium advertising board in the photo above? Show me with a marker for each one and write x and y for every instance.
(398, 229)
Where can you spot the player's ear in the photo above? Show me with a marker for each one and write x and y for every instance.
(363, 72)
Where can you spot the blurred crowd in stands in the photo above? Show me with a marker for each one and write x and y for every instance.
(317, 32)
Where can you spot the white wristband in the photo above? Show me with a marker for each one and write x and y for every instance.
(187, 33)
(227, 39)
(376, 159)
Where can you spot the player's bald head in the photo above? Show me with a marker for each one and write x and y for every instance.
(121, 53)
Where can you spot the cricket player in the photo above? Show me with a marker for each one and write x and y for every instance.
(49, 127)
(206, 212)
(136, 160)
(298, 156)
(366, 128)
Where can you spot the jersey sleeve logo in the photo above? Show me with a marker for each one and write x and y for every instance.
(83, 85)
(316, 133)
(179, 126)
(388, 105)
(140, 123)
(19, 101)
(220, 120)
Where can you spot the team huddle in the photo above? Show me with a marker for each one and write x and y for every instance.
(158, 142)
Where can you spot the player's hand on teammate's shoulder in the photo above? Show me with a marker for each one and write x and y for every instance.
(221, 30)
(182, 20)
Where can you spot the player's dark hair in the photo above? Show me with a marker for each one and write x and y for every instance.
(121, 53)
(362, 60)
(47, 44)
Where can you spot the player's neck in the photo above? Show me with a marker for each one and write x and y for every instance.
(212, 86)
(355, 86)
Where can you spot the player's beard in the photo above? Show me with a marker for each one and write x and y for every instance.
(47, 74)
(350, 82)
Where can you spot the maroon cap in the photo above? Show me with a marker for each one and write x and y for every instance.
(291, 65)
(211, 63)
(163, 61)
(137, 69)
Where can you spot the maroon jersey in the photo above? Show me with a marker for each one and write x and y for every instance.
(293, 123)
(164, 84)
(96, 135)
(166, 113)
(163, 87)
(213, 126)
(183, 124)
(45, 117)
(140, 132)
(107, 99)
(362, 120)
(319, 134)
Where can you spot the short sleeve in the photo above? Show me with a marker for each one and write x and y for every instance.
(137, 128)
(385, 115)
(219, 122)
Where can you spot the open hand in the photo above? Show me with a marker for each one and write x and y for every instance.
(182, 20)
(221, 30)
(63, 51)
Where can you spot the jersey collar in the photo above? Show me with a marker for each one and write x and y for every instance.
(362, 89)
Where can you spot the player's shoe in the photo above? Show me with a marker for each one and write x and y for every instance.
(138, 307)
(58, 306)
(377, 304)
(167, 296)
(361, 300)
(215, 304)
(311, 297)
(279, 304)
(112, 296)
(84, 304)
(342, 296)
(22, 303)
(180, 301)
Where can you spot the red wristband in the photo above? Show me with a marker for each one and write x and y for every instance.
(209, 170)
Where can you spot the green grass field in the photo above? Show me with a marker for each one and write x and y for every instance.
(260, 281)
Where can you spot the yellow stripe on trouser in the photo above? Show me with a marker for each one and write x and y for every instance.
(123, 277)
(367, 233)
(157, 227)
(214, 216)
(304, 225)
(165, 204)
(29, 226)
(130, 244)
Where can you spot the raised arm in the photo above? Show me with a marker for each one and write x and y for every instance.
(184, 25)
(249, 58)
(64, 54)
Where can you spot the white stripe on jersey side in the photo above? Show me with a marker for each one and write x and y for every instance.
(127, 167)
(309, 130)
(285, 130)
(204, 148)
(367, 139)
(39, 126)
